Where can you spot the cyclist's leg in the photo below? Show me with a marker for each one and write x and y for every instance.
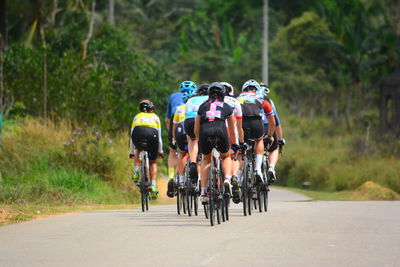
(192, 148)
(205, 169)
(172, 156)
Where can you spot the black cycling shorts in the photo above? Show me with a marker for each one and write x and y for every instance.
(181, 140)
(274, 145)
(211, 130)
(189, 127)
(141, 135)
(253, 128)
(170, 135)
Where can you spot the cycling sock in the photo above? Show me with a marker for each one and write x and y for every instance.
(203, 190)
(228, 177)
(153, 182)
(272, 167)
(258, 163)
(171, 173)
(182, 178)
(239, 175)
(136, 168)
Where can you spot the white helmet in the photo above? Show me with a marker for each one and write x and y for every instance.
(265, 87)
(228, 87)
(251, 83)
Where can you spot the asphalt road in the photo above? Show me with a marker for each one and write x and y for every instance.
(294, 232)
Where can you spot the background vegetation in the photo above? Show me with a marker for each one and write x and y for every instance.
(90, 62)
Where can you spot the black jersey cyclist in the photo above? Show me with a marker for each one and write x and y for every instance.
(146, 128)
(210, 123)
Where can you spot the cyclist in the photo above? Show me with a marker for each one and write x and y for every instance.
(146, 126)
(179, 138)
(237, 111)
(252, 107)
(278, 134)
(191, 108)
(211, 123)
(173, 102)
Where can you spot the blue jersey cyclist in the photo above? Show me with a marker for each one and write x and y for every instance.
(174, 101)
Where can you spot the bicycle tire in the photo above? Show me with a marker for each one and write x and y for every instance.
(227, 204)
(219, 213)
(206, 211)
(266, 191)
(196, 204)
(178, 202)
(222, 203)
(244, 187)
(188, 197)
(142, 198)
(260, 197)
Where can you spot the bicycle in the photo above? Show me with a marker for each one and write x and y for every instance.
(144, 174)
(218, 203)
(248, 177)
(192, 192)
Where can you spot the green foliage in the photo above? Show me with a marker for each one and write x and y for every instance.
(36, 167)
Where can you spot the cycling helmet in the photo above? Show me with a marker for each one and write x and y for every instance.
(203, 89)
(228, 88)
(265, 87)
(187, 86)
(216, 90)
(250, 85)
(187, 95)
(146, 106)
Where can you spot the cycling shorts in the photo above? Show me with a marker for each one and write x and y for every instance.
(215, 129)
(181, 140)
(142, 134)
(253, 128)
(171, 146)
(274, 145)
(189, 128)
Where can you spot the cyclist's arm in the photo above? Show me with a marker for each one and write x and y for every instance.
(279, 133)
(239, 123)
(231, 126)
(197, 127)
(167, 122)
(277, 120)
(159, 135)
(131, 143)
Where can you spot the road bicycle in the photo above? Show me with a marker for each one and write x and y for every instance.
(192, 193)
(248, 179)
(218, 197)
(144, 175)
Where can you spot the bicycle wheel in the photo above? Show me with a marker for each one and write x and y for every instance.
(188, 197)
(178, 202)
(206, 210)
(142, 198)
(244, 187)
(219, 211)
(260, 197)
(196, 204)
(227, 204)
(265, 192)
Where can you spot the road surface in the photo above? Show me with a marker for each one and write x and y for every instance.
(294, 232)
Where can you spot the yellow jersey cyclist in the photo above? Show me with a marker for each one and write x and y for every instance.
(210, 123)
(146, 127)
(179, 139)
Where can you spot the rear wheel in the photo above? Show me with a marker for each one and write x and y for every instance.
(188, 196)
(265, 193)
(142, 197)
(244, 188)
(178, 202)
(211, 209)
(260, 197)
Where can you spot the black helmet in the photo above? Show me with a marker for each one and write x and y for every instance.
(146, 106)
(217, 89)
(203, 89)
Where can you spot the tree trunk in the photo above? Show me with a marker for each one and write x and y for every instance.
(45, 89)
(3, 46)
(265, 44)
(111, 19)
(90, 33)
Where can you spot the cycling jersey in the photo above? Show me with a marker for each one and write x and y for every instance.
(179, 116)
(235, 104)
(149, 120)
(173, 102)
(251, 104)
(277, 121)
(214, 111)
(192, 106)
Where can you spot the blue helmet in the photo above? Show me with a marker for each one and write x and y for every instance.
(187, 86)
(187, 95)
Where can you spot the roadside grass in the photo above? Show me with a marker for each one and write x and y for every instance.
(333, 160)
